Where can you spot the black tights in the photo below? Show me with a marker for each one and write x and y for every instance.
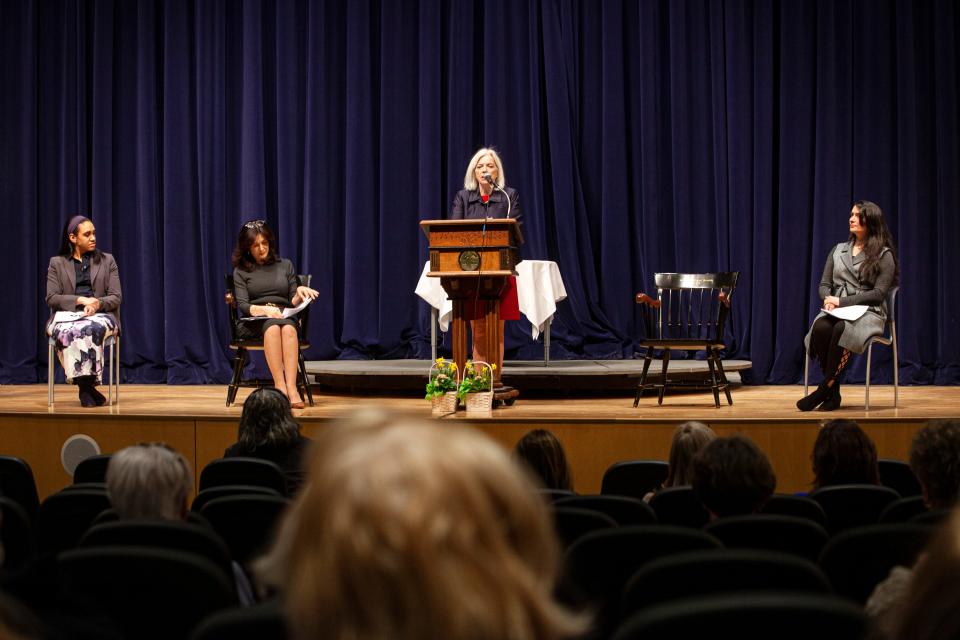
(825, 346)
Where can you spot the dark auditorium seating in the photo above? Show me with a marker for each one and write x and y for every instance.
(571, 524)
(625, 511)
(212, 493)
(799, 506)
(898, 475)
(552, 495)
(245, 522)
(633, 478)
(92, 469)
(903, 510)
(698, 573)
(232, 471)
(786, 534)
(262, 621)
(18, 484)
(152, 594)
(679, 506)
(749, 616)
(64, 517)
(853, 505)
(16, 536)
(858, 559)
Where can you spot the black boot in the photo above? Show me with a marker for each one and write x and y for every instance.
(833, 402)
(812, 401)
(89, 396)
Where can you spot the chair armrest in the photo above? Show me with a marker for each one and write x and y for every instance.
(724, 298)
(229, 299)
(643, 298)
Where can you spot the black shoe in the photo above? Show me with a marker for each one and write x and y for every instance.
(97, 396)
(833, 402)
(815, 399)
(86, 398)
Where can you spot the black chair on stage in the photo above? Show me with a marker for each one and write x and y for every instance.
(264, 620)
(152, 594)
(598, 565)
(853, 505)
(64, 517)
(633, 478)
(242, 346)
(625, 511)
(16, 536)
(679, 506)
(92, 469)
(552, 495)
(898, 475)
(700, 573)
(858, 559)
(18, 484)
(246, 523)
(175, 536)
(571, 524)
(888, 338)
(222, 491)
(798, 506)
(749, 616)
(689, 314)
(234, 471)
(903, 510)
(784, 534)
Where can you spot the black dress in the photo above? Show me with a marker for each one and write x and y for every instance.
(267, 284)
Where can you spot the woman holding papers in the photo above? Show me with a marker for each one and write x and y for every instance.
(485, 195)
(858, 272)
(83, 293)
(264, 285)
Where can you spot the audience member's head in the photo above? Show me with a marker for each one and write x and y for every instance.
(931, 607)
(266, 421)
(688, 439)
(149, 482)
(844, 454)
(732, 476)
(542, 452)
(410, 530)
(935, 460)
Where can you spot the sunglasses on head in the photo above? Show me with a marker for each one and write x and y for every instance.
(254, 224)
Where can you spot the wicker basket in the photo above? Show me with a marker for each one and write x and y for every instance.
(444, 405)
(481, 402)
(447, 403)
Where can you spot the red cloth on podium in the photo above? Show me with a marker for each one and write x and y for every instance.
(509, 303)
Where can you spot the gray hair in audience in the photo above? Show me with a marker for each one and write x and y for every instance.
(149, 481)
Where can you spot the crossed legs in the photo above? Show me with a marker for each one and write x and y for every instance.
(833, 359)
(281, 348)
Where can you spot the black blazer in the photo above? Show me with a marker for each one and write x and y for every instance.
(468, 204)
(104, 280)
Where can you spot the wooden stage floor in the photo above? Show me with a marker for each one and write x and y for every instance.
(596, 431)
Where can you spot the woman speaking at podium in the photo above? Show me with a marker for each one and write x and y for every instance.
(485, 194)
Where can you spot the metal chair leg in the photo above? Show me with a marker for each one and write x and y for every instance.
(806, 370)
(50, 373)
(867, 391)
(896, 368)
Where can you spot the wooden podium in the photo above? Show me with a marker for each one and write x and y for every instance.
(473, 259)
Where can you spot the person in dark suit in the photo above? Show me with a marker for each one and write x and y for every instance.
(83, 279)
(485, 195)
(859, 271)
(264, 284)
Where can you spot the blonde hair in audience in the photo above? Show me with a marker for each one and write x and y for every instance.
(412, 530)
(688, 439)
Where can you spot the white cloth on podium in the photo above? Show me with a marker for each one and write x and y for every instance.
(430, 290)
(539, 289)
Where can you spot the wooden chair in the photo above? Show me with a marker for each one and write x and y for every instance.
(689, 314)
(242, 346)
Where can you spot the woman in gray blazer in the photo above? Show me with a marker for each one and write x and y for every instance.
(859, 271)
(84, 281)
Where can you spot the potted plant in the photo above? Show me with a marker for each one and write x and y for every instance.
(476, 387)
(442, 387)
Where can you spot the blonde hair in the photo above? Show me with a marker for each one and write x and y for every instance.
(149, 481)
(470, 177)
(688, 439)
(411, 530)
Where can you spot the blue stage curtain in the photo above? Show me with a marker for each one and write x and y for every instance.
(643, 136)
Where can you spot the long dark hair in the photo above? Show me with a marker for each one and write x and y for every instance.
(543, 454)
(69, 228)
(266, 421)
(877, 239)
(844, 454)
(242, 257)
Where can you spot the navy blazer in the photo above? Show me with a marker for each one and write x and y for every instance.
(104, 280)
(469, 204)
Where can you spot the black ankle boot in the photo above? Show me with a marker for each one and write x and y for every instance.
(833, 402)
(812, 401)
(87, 391)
